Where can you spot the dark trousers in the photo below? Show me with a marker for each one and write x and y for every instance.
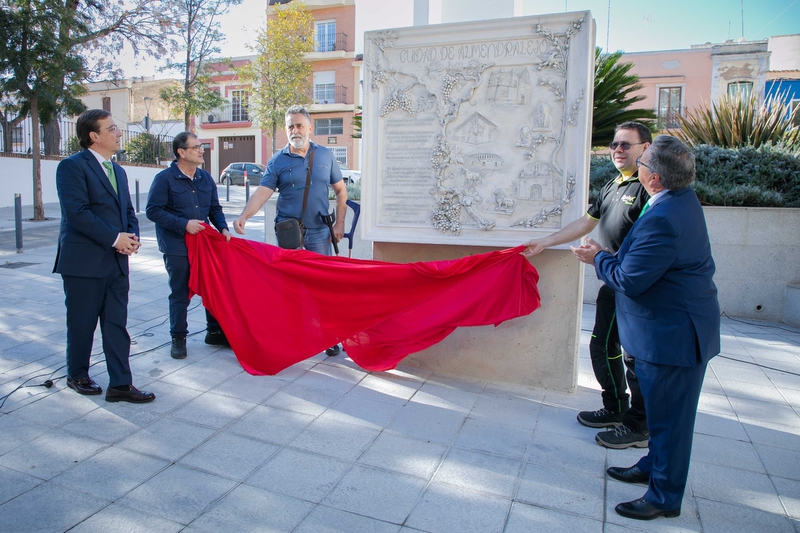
(607, 362)
(178, 270)
(671, 394)
(106, 299)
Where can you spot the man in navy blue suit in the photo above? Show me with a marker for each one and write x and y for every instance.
(99, 231)
(669, 320)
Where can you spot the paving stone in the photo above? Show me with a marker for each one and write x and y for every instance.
(229, 456)
(48, 508)
(50, 454)
(403, 454)
(327, 520)
(302, 475)
(167, 438)
(120, 519)
(445, 508)
(304, 399)
(13, 483)
(427, 422)
(213, 410)
(363, 412)
(720, 517)
(563, 490)
(527, 518)
(480, 472)
(272, 425)
(494, 437)
(336, 439)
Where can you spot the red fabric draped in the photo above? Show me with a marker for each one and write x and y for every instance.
(278, 307)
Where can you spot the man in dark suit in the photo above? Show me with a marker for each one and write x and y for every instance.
(99, 231)
(669, 319)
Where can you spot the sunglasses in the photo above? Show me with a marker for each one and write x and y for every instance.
(624, 145)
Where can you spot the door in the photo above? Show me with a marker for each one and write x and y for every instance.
(235, 149)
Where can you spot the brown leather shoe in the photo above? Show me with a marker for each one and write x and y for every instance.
(132, 395)
(84, 386)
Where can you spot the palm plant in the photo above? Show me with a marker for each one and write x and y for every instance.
(613, 88)
(739, 121)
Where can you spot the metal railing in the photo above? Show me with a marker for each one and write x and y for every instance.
(226, 113)
(330, 42)
(137, 146)
(329, 94)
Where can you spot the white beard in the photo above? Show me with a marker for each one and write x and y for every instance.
(297, 144)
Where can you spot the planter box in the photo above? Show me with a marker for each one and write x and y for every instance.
(757, 253)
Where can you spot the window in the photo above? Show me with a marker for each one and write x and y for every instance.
(329, 126)
(325, 36)
(794, 105)
(740, 88)
(107, 104)
(240, 106)
(17, 135)
(669, 106)
(325, 87)
(339, 153)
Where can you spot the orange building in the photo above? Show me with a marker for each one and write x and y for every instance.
(228, 132)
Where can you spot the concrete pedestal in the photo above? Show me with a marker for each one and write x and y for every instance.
(539, 350)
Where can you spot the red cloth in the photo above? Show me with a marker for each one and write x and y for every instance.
(278, 307)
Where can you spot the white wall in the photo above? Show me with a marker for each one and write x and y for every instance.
(16, 176)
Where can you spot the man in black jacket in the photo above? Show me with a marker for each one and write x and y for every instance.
(181, 198)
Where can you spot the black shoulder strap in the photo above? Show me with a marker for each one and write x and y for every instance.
(308, 185)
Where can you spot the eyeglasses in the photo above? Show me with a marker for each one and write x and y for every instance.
(112, 128)
(198, 147)
(645, 165)
(624, 145)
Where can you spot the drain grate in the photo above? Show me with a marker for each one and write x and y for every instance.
(18, 264)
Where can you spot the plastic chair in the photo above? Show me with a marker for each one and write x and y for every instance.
(350, 234)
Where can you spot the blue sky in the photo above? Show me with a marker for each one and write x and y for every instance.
(635, 25)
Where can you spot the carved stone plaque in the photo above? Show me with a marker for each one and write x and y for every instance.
(477, 133)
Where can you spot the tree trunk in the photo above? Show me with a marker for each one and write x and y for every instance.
(274, 131)
(52, 138)
(38, 204)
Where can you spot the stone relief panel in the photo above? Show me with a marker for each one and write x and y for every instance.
(477, 133)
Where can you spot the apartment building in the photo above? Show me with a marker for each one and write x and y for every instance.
(230, 135)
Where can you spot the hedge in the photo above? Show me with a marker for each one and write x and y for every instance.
(767, 176)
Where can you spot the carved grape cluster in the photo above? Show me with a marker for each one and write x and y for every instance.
(448, 84)
(398, 100)
(447, 217)
(379, 78)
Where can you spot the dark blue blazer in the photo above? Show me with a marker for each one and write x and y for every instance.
(92, 215)
(667, 306)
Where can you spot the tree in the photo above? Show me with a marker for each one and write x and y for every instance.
(357, 124)
(46, 55)
(199, 28)
(280, 75)
(612, 97)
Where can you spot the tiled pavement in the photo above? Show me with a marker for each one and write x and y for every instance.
(327, 447)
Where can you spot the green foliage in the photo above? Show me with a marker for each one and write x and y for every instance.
(194, 100)
(601, 171)
(740, 121)
(767, 176)
(613, 88)
(73, 145)
(353, 192)
(280, 75)
(144, 148)
(357, 124)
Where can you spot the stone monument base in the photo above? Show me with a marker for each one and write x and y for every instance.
(538, 350)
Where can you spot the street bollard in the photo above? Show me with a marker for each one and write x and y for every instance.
(18, 220)
(246, 189)
(137, 195)
(228, 189)
(266, 223)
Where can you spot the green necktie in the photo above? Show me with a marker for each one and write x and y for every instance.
(645, 208)
(111, 176)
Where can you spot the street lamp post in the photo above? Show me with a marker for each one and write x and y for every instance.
(147, 123)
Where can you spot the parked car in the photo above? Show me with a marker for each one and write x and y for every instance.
(235, 173)
(349, 176)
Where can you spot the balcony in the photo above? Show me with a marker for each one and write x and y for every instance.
(326, 94)
(226, 113)
(331, 42)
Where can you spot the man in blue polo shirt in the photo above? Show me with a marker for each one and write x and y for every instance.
(181, 198)
(614, 212)
(286, 172)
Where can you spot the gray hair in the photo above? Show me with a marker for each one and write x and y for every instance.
(673, 161)
(298, 110)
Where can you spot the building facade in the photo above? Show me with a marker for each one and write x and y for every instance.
(229, 133)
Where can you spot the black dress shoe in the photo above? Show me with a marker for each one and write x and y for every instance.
(628, 475)
(641, 510)
(332, 351)
(132, 395)
(84, 386)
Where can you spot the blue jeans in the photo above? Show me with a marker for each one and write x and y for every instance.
(318, 240)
